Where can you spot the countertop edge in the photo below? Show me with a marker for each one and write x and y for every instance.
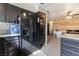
(8, 35)
(70, 36)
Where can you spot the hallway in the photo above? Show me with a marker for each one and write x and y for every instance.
(52, 49)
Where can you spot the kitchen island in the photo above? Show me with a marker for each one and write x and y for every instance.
(69, 45)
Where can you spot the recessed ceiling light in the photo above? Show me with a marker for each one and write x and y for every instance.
(41, 3)
(24, 14)
(68, 17)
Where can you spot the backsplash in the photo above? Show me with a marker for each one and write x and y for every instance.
(4, 27)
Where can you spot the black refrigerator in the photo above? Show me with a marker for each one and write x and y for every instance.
(31, 38)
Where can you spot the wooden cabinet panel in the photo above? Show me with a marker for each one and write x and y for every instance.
(9, 46)
(1, 47)
(11, 13)
(69, 47)
(2, 12)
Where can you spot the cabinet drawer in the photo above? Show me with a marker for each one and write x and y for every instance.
(70, 47)
(70, 41)
(65, 52)
(11, 43)
(13, 53)
(11, 39)
(11, 47)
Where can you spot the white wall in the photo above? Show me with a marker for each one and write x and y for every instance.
(42, 9)
(50, 27)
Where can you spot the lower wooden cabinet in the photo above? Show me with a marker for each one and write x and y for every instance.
(9, 47)
(1, 47)
(69, 47)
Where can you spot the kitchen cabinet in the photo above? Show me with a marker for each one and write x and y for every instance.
(2, 12)
(9, 46)
(41, 23)
(11, 13)
(69, 47)
(1, 47)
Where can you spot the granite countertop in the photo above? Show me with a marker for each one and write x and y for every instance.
(70, 36)
(9, 35)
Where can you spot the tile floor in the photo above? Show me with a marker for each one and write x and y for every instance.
(51, 49)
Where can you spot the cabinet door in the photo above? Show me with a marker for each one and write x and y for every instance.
(69, 47)
(11, 46)
(2, 12)
(1, 47)
(11, 13)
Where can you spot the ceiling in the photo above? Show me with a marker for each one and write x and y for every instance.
(59, 9)
(55, 9)
(28, 6)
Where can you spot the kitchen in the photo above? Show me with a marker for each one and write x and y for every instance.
(39, 29)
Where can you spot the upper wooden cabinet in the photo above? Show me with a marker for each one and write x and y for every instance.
(11, 13)
(2, 12)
